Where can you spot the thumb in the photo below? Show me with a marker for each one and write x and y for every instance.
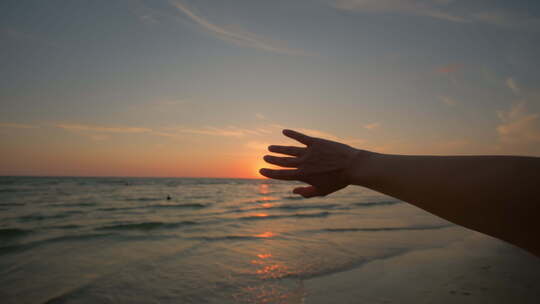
(307, 192)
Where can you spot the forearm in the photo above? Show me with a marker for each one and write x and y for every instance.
(496, 195)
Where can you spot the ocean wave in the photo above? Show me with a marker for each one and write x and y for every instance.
(75, 205)
(225, 238)
(76, 238)
(119, 208)
(197, 197)
(191, 205)
(66, 238)
(11, 233)
(146, 199)
(306, 206)
(147, 226)
(290, 207)
(173, 206)
(293, 198)
(65, 227)
(41, 217)
(11, 204)
(278, 216)
(320, 214)
(10, 190)
(309, 273)
(377, 229)
(263, 200)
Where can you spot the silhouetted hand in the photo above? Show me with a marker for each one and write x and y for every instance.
(323, 164)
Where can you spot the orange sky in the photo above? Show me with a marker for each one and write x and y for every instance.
(194, 89)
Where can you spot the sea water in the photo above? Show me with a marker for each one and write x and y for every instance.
(188, 240)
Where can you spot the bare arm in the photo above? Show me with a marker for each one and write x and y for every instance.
(496, 195)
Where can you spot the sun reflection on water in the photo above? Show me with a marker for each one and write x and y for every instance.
(276, 279)
(267, 205)
(267, 234)
(264, 189)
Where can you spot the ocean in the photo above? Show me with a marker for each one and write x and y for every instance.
(193, 240)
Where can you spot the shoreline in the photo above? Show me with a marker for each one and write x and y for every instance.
(478, 269)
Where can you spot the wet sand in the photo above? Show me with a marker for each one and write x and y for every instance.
(478, 269)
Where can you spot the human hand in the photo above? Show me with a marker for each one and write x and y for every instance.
(323, 164)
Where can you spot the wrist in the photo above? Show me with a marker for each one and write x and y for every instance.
(361, 171)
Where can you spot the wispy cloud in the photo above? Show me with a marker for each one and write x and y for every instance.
(521, 20)
(274, 128)
(105, 129)
(512, 85)
(145, 14)
(99, 137)
(433, 8)
(230, 131)
(449, 101)
(237, 35)
(17, 125)
(449, 68)
(518, 127)
(440, 9)
(257, 145)
(330, 136)
(251, 136)
(372, 126)
(148, 19)
(320, 134)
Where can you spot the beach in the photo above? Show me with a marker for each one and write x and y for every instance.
(478, 269)
(180, 240)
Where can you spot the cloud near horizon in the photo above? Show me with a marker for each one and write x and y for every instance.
(230, 131)
(449, 101)
(372, 126)
(521, 20)
(17, 125)
(512, 85)
(81, 127)
(519, 128)
(449, 68)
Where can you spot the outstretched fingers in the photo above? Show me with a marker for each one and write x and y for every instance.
(306, 140)
(281, 174)
(288, 150)
(290, 162)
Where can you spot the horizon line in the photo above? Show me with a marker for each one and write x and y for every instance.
(119, 176)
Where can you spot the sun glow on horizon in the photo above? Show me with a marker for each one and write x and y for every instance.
(206, 116)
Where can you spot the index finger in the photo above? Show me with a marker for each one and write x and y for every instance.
(306, 140)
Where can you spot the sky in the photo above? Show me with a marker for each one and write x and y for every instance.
(199, 88)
